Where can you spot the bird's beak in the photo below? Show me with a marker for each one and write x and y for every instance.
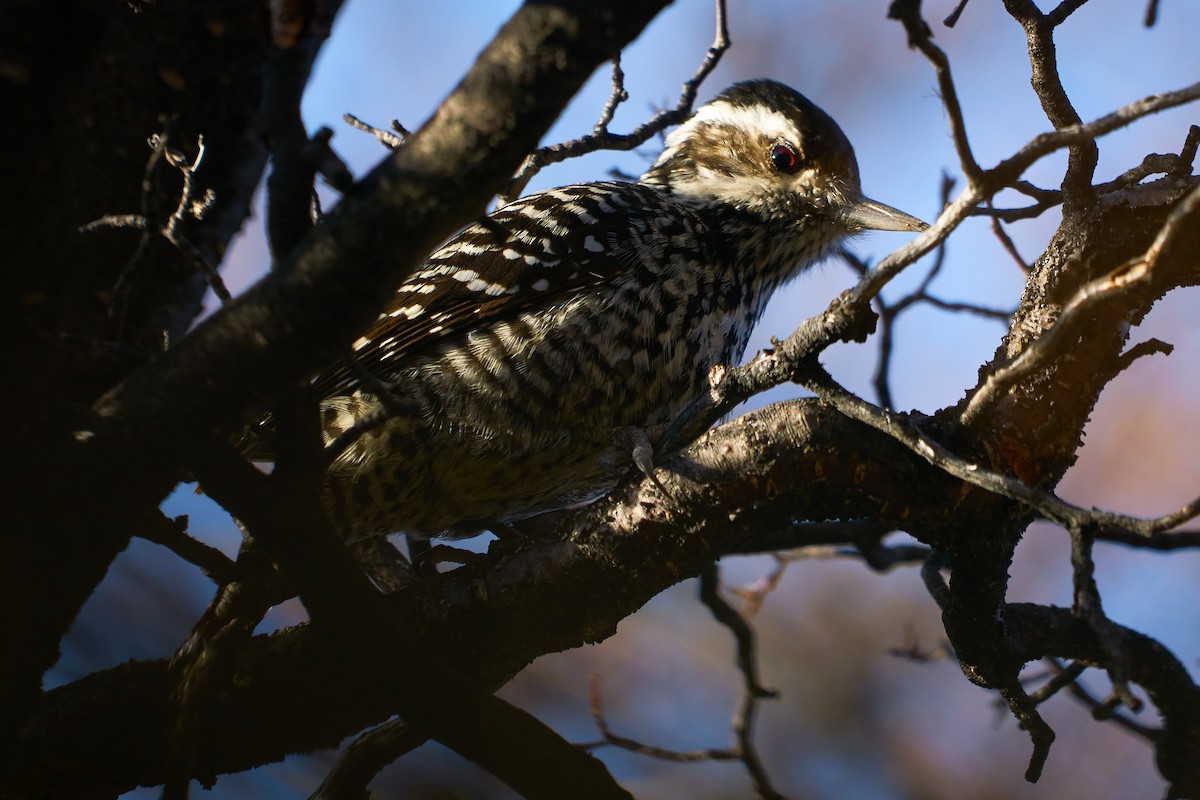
(868, 215)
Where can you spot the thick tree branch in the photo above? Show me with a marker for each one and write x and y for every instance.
(1079, 312)
(462, 615)
(465, 617)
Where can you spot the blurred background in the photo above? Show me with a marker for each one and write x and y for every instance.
(852, 720)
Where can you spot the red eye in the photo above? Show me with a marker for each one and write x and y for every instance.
(784, 157)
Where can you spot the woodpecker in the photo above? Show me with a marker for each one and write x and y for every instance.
(521, 353)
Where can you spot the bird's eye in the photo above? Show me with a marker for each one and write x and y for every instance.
(784, 157)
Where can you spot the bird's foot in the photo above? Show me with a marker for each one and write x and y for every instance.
(641, 449)
(427, 556)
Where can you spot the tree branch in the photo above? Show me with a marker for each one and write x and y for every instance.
(1078, 312)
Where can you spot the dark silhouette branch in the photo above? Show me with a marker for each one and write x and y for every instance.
(293, 322)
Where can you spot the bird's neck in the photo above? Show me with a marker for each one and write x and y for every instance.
(771, 245)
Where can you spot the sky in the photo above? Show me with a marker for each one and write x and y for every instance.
(854, 721)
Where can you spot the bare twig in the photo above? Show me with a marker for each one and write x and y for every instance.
(602, 139)
(172, 534)
(135, 221)
(743, 728)
(597, 708)
(883, 558)
(1037, 193)
(1024, 709)
(296, 157)
(1149, 347)
(1061, 677)
(1151, 13)
(1047, 84)
(197, 209)
(1008, 170)
(1174, 165)
(1063, 10)
(1067, 677)
(755, 594)
(1045, 199)
(615, 98)
(860, 532)
(935, 584)
(912, 651)
(952, 18)
(921, 37)
(1087, 605)
(365, 757)
(188, 206)
(1048, 505)
(1164, 542)
(1152, 164)
(149, 210)
(1015, 214)
(1187, 155)
(1007, 243)
(727, 615)
(752, 689)
(853, 538)
(885, 346)
(889, 312)
(743, 721)
(328, 164)
(997, 314)
(389, 139)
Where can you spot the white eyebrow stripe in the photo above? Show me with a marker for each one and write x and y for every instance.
(773, 124)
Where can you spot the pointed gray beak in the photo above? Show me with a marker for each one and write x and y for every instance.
(868, 215)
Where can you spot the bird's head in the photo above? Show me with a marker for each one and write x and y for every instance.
(763, 148)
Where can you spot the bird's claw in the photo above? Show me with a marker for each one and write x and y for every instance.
(642, 452)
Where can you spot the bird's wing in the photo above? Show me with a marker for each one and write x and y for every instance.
(533, 253)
